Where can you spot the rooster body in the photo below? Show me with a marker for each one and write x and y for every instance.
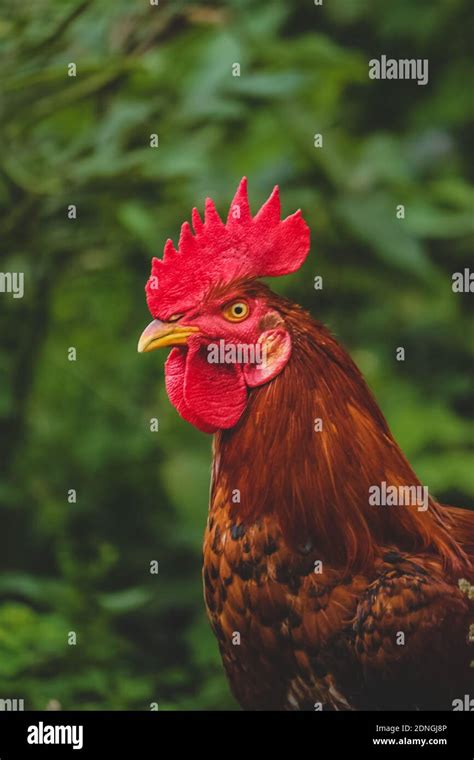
(318, 598)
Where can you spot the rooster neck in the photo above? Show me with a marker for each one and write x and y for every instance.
(310, 445)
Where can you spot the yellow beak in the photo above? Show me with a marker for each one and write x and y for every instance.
(159, 334)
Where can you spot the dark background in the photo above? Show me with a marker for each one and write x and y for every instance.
(85, 425)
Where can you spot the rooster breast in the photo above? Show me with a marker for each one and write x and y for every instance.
(297, 634)
(279, 623)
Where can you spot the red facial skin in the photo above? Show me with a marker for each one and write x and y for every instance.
(213, 396)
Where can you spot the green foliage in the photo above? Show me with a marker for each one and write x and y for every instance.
(84, 425)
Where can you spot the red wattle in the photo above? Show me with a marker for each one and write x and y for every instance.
(175, 369)
(209, 396)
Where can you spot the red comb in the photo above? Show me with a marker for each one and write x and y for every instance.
(244, 247)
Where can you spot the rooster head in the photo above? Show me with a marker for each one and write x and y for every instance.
(225, 334)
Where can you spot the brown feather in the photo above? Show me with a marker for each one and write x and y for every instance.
(330, 637)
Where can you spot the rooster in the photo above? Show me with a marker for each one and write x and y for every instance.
(320, 599)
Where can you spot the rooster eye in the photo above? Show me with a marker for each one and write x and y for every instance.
(236, 312)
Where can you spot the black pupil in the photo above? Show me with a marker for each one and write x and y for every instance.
(238, 310)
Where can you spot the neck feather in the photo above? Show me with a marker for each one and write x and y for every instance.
(316, 482)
